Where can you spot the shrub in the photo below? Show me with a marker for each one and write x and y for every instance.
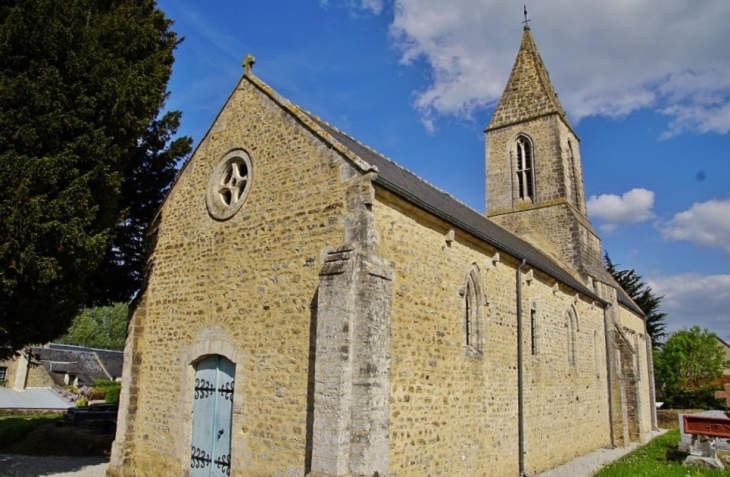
(111, 389)
(703, 398)
(106, 383)
(69, 393)
(97, 394)
(112, 394)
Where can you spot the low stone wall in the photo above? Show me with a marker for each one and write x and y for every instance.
(29, 412)
(669, 418)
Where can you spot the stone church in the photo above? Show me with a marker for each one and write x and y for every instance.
(311, 308)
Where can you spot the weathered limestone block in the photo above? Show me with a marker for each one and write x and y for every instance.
(352, 371)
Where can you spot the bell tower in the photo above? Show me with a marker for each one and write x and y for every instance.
(534, 176)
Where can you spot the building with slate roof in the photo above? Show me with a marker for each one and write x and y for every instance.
(57, 365)
(311, 308)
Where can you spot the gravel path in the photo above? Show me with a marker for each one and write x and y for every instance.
(34, 466)
(587, 465)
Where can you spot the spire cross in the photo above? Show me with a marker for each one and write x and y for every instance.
(248, 63)
(527, 20)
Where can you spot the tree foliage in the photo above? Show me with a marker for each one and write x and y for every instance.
(83, 156)
(689, 368)
(147, 180)
(644, 297)
(100, 327)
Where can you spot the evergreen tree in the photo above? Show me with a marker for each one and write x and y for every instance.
(83, 155)
(149, 176)
(643, 296)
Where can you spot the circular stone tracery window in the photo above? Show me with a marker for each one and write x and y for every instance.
(229, 184)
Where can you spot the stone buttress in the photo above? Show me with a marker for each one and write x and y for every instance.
(352, 365)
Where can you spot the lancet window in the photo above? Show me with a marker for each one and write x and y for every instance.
(473, 299)
(525, 170)
(572, 337)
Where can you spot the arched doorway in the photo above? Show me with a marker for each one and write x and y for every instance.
(212, 413)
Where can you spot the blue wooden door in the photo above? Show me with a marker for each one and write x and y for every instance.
(212, 412)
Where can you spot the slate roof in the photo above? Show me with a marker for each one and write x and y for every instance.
(416, 190)
(529, 93)
(88, 364)
(408, 185)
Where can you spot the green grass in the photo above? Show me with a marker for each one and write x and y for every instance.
(650, 460)
(14, 429)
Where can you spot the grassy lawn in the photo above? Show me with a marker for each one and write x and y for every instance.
(650, 460)
(13, 429)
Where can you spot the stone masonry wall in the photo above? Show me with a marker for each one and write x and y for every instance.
(454, 411)
(555, 220)
(634, 328)
(247, 288)
(244, 288)
(10, 364)
(549, 138)
(36, 377)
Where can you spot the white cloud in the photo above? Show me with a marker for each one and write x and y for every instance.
(375, 6)
(706, 224)
(693, 299)
(605, 58)
(634, 206)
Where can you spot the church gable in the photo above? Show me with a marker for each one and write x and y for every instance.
(335, 306)
(237, 279)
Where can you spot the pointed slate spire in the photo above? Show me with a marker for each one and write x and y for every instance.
(529, 93)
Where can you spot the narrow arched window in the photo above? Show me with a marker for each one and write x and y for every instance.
(473, 299)
(572, 337)
(596, 354)
(533, 329)
(525, 177)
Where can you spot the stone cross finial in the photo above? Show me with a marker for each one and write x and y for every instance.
(527, 20)
(248, 63)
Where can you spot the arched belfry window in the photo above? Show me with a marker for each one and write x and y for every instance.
(525, 169)
(473, 301)
(572, 337)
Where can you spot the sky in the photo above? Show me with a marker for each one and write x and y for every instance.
(646, 85)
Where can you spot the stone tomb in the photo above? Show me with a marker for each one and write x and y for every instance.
(687, 438)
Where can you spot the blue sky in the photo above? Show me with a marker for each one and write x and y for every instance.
(646, 85)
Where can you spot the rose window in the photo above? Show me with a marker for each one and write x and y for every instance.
(229, 184)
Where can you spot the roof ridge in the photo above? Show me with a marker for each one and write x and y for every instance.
(543, 75)
(450, 209)
(307, 118)
(87, 349)
(383, 156)
(103, 368)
